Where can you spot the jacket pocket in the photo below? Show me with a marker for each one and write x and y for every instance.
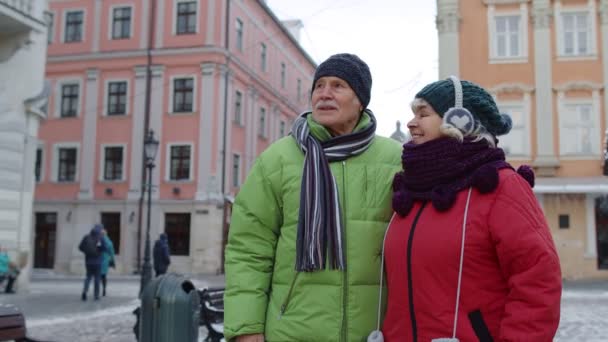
(288, 297)
(479, 326)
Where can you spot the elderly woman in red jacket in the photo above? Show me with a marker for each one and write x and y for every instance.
(468, 253)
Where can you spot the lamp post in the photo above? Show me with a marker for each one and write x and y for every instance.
(150, 149)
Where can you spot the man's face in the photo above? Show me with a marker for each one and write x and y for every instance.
(335, 105)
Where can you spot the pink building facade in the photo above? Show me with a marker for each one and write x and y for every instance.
(204, 99)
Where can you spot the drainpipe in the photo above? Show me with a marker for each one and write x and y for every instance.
(224, 143)
(151, 22)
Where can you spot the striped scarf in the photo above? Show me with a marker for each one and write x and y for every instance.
(320, 220)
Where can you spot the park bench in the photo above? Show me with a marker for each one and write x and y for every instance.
(12, 324)
(212, 312)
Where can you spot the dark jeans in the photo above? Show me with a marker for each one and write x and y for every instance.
(93, 271)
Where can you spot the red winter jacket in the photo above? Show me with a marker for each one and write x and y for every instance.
(511, 279)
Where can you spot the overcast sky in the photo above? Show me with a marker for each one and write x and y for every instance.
(396, 38)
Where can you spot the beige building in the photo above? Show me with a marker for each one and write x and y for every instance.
(546, 63)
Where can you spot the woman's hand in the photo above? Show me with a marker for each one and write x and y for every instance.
(250, 338)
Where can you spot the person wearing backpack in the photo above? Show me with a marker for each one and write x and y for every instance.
(93, 246)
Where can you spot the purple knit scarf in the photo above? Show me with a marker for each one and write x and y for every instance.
(437, 170)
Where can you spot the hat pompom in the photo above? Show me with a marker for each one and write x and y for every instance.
(398, 181)
(485, 179)
(527, 173)
(505, 126)
(402, 203)
(442, 198)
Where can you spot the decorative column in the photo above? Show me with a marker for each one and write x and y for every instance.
(96, 25)
(159, 23)
(546, 162)
(144, 22)
(447, 22)
(137, 134)
(603, 10)
(210, 22)
(157, 108)
(88, 152)
(207, 186)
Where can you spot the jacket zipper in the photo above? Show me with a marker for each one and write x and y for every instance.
(410, 241)
(344, 331)
(286, 301)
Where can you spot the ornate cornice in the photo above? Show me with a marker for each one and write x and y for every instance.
(578, 85)
(511, 88)
(447, 22)
(504, 2)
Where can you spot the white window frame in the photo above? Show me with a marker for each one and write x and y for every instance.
(171, 94)
(198, 16)
(239, 42)
(525, 105)
(590, 8)
(595, 137)
(64, 16)
(168, 162)
(102, 163)
(262, 129)
(50, 34)
(522, 37)
(111, 20)
(58, 95)
(240, 120)
(42, 162)
(236, 181)
(107, 96)
(263, 57)
(55, 162)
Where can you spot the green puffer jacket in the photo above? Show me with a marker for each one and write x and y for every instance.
(327, 305)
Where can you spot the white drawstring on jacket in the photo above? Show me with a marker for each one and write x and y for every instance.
(376, 335)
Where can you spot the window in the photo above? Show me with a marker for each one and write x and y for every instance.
(564, 221)
(238, 104)
(50, 25)
(236, 170)
(239, 34)
(117, 98)
(177, 228)
(578, 131)
(283, 75)
(113, 163)
(507, 36)
(282, 128)
(576, 29)
(111, 223)
(69, 100)
(262, 128)
(73, 26)
(183, 91)
(516, 142)
(263, 56)
(186, 17)
(38, 165)
(66, 171)
(121, 23)
(575, 34)
(299, 90)
(180, 162)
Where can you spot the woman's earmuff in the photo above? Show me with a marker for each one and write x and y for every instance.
(458, 116)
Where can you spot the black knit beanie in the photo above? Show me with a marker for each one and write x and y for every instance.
(440, 95)
(350, 68)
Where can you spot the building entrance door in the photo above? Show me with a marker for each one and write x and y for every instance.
(44, 243)
(601, 229)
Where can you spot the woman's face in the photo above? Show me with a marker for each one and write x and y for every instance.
(425, 126)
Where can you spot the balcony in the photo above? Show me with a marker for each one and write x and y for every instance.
(18, 16)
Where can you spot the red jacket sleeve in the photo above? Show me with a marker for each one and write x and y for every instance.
(528, 260)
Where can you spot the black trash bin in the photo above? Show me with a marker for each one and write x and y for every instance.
(170, 310)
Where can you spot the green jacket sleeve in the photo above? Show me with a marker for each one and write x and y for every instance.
(250, 252)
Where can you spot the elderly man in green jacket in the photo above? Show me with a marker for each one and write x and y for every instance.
(304, 249)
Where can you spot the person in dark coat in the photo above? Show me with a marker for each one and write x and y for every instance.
(93, 247)
(161, 255)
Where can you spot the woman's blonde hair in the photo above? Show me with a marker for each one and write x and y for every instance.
(448, 130)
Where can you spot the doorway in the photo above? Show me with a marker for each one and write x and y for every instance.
(44, 243)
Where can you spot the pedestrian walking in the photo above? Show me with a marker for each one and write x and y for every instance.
(161, 255)
(107, 260)
(93, 246)
(8, 271)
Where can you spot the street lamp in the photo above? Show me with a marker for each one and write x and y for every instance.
(150, 149)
